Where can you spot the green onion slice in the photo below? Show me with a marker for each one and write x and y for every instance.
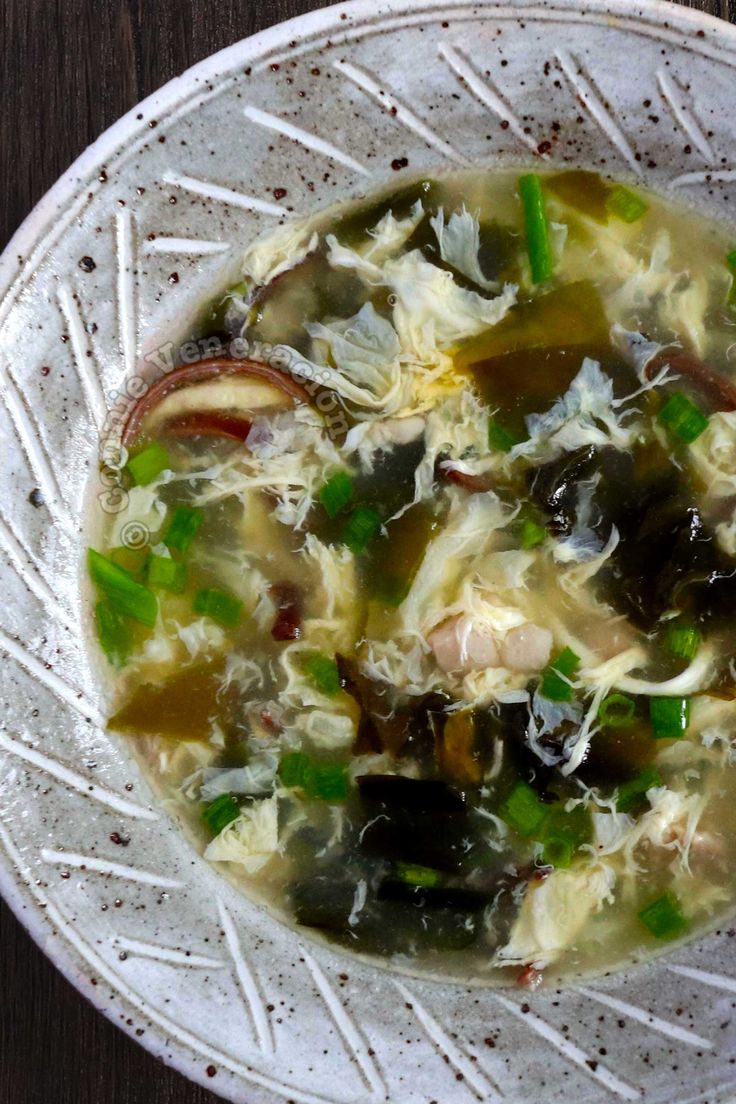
(683, 418)
(166, 574)
(556, 678)
(616, 711)
(683, 641)
(148, 464)
(500, 437)
(631, 793)
(183, 528)
(322, 781)
(124, 594)
(220, 812)
(220, 605)
(538, 242)
(624, 204)
(670, 717)
(664, 917)
(336, 493)
(362, 526)
(523, 811)
(323, 672)
(413, 874)
(113, 633)
(531, 534)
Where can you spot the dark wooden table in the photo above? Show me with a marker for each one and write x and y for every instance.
(68, 69)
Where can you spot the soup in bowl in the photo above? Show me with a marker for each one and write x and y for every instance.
(419, 600)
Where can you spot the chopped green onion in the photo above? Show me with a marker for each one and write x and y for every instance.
(220, 812)
(670, 717)
(531, 534)
(323, 672)
(626, 205)
(183, 528)
(167, 574)
(500, 437)
(326, 781)
(415, 875)
(683, 418)
(631, 794)
(362, 526)
(616, 711)
(123, 592)
(731, 265)
(556, 678)
(538, 242)
(558, 850)
(336, 493)
(323, 781)
(113, 633)
(148, 464)
(682, 641)
(221, 606)
(293, 767)
(132, 560)
(664, 917)
(523, 811)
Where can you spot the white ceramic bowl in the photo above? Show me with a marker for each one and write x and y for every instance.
(328, 106)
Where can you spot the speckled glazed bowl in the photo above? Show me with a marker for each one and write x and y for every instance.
(109, 268)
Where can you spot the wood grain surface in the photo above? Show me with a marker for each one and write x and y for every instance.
(68, 69)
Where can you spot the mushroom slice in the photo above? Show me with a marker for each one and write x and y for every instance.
(210, 396)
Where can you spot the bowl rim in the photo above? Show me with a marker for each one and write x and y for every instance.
(21, 256)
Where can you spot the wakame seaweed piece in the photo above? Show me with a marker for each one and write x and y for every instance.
(457, 898)
(381, 727)
(181, 708)
(666, 563)
(509, 723)
(554, 486)
(323, 900)
(618, 755)
(410, 794)
(497, 251)
(352, 226)
(390, 485)
(310, 291)
(401, 835)
(458, 754)
(568, 317)
(584, 191)
(396, 553)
